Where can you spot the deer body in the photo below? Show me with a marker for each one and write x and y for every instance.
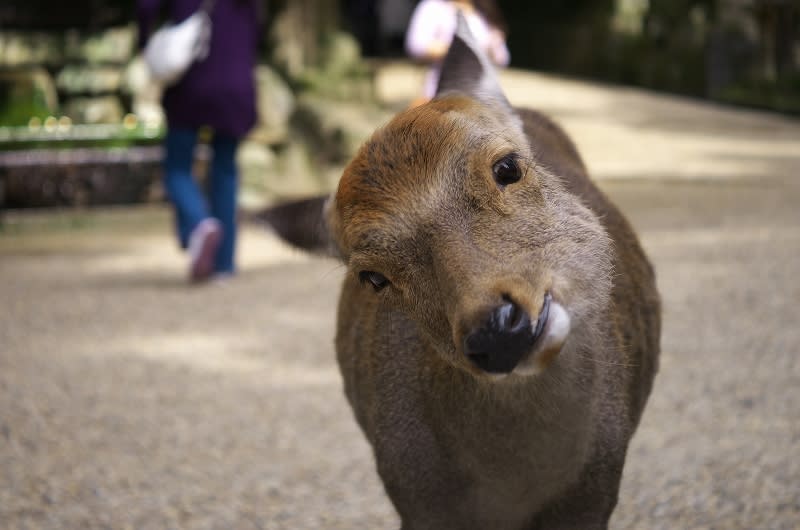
(498, 330)
(456, 450)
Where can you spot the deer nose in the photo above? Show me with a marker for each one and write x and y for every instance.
(505, 335)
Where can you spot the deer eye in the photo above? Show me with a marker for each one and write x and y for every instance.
(376, 279)
(506, 170)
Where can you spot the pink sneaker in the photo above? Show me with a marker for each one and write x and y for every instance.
(203, 244)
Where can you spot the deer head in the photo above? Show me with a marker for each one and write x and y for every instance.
(447, 215)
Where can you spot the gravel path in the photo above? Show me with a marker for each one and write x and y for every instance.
(131, 400)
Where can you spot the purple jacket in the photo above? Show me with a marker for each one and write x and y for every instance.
(219, 91)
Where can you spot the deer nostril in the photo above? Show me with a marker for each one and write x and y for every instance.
(507, 317)
(501, 341)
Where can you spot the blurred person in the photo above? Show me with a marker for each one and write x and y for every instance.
(431, 30)
(217, 92)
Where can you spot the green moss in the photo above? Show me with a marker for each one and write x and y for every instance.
(18, 106)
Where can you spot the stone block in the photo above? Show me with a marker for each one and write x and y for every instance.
(104, 109)
(25, 48)
(111, 46)
(91, 79)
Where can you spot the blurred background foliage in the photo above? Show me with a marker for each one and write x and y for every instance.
(743, 51)
(71, 80)
(738, 51)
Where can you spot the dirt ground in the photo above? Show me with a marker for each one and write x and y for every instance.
(129, 399)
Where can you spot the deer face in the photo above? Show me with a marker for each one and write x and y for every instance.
(445, 215)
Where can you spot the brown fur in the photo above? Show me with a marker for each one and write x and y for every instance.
(456, 447)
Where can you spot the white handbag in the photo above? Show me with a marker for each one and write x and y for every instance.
(173, 48)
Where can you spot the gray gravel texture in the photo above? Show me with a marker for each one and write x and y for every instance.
(129, 399)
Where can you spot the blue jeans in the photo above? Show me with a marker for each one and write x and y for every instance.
(190, 203)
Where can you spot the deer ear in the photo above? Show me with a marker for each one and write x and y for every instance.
(303, 223)
(468, 70)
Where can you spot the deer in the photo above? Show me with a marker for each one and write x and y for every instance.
(498, 326)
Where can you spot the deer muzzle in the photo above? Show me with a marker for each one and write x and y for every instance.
(506, 335)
